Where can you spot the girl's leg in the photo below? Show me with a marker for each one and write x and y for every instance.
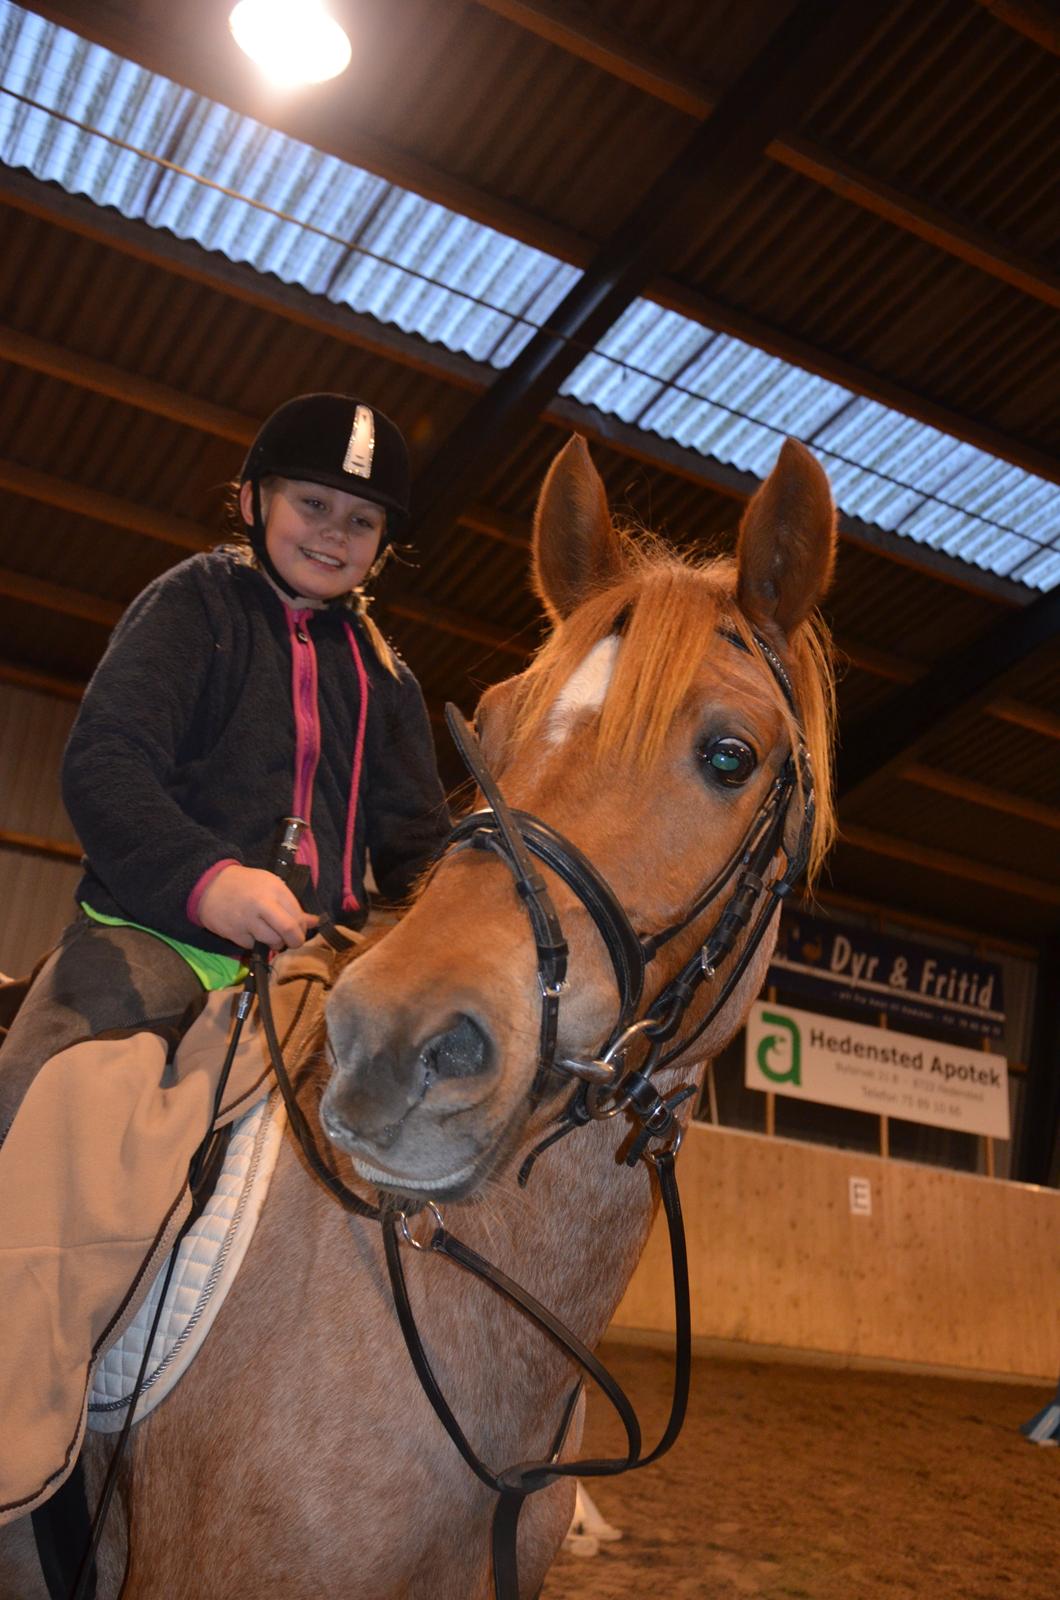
(98, 981)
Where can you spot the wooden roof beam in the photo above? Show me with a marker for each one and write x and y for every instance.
(41, 682)
(963, 680)
(158, 399)
(980, 794)
(1034, 19)
(581, 34)
(175, 533)
(951, 865)
(156, 247)
(57, 597)
(833, 171)
(1034, 719)
(665, 80)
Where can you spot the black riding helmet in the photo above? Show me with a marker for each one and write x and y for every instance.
(335, 440)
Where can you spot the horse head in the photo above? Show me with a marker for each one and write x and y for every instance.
(650, 732)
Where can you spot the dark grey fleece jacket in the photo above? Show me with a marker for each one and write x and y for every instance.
(184, 751)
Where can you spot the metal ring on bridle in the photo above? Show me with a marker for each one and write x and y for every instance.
(403, 1226)
(600, 1070)
(671, 1149)
(591, 1071)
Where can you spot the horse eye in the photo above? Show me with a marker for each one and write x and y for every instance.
(731, 761)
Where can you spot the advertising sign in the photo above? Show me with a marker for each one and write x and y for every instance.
(917, 984)
(875, 1069)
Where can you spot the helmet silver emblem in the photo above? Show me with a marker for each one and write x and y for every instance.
(361, 448)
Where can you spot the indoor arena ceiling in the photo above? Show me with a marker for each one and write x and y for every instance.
(684, 229)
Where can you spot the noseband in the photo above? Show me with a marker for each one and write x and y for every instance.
(521, 839)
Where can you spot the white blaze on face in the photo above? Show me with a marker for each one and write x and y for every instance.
(585, 690)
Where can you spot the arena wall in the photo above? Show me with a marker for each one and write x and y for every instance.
(950, 1270)
(36, 884)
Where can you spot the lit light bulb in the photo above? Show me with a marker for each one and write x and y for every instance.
(292, 41)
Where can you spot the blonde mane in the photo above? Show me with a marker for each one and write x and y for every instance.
(667, 607)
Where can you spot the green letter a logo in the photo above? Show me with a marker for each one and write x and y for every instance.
(786, 1043)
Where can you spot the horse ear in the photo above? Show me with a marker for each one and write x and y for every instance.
(786, 549)
(575, 548)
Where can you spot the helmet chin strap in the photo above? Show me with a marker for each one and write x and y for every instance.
(258, 545)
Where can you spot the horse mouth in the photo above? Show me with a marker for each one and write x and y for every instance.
(411, 1177)
(406, 1183)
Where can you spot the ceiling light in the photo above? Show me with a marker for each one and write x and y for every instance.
(292, 41)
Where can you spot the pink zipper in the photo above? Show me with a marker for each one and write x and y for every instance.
(307, 730)
(349, 899)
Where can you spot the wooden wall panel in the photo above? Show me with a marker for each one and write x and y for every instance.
(950, 1270)
(36, 891)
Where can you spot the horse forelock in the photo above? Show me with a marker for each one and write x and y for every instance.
(669, 611)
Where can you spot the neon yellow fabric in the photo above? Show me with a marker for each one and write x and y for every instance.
(213, 971)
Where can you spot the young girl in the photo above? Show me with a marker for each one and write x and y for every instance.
(242, 686)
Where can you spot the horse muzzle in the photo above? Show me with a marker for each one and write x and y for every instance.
(408, 1101)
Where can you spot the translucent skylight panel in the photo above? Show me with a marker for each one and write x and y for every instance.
(968, 537)
(1041, 570)
(1006, 494)
(547, 288)
(643, 348)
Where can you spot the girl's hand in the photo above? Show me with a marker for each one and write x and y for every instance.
(249, 906)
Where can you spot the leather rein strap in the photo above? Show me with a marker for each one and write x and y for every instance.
(514, 1484)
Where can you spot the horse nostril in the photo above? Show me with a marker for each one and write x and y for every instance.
(462, 1051)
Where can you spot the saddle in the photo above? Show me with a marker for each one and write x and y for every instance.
(93, 1191)
(224, 1217)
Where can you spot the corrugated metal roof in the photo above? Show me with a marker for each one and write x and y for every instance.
(258, 196)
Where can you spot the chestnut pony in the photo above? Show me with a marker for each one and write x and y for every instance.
(299, 1457)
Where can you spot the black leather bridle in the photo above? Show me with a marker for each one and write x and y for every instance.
(521, 839)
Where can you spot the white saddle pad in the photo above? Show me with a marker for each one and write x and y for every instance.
(207, 1262)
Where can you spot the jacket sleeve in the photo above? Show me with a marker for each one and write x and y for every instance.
(140, 718)
(406, 812)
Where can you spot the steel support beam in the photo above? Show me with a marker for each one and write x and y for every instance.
(667, 81)
(796, 63)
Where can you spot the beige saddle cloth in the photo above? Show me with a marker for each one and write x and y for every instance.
(93, 1190)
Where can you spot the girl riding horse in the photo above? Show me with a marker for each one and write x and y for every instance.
(245, 683)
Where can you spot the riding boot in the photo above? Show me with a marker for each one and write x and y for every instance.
(62, 1528)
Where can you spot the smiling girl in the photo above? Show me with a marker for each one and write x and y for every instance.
(244, 685)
